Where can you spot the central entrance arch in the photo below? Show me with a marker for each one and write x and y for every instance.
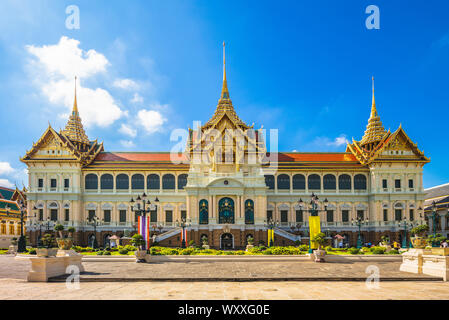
(226, 211)
(226, 241)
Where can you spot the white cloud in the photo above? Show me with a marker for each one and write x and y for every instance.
(6, 183)
(137, 98)
(339, 141)
(66, 59)
(150, 120)
(54, 69)
(126, 84)
(127, 130)
(127, 143)
(5, 168)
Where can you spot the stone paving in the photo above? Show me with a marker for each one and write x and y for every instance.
(215, 270)
(404, 290)
(14, 286)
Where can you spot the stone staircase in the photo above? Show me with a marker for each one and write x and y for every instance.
(287, 235)
(168, 234)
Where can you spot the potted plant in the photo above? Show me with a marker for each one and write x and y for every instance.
(250, 244)
(418, 240)
(47, 249)
(320, 239)
(205, 242)
(63, 243)
(138, 241)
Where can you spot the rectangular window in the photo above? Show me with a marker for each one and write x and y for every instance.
(412, 214)
(11, 229)
(299, 216)
(360, 214)
(410, 183)
(53, 183)
(345, 215)
(41, 214)
(153, 216)
(385, 183)
(284, 216)
(397, 183)
(269, 215)
(3, 228)
(40, 183)
(183, 215)
(398, 214)
(91, 214)
(385, 214)
(107, 215)
(168, 216)
(66, 183)
(330, 215)
(67, 214)
(54, 214)
(122, 214)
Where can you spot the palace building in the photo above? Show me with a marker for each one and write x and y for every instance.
(226, 185)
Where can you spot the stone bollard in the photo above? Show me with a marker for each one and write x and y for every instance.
(43, 268)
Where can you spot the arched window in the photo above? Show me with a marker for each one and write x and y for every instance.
(269, 181)
(344, 182)
(226, 211)
(107, 181)
(204, 212)
(91, 181)
(168, 182)
(122, 182)
(137, 181)
(249, 211)
(329, 182)
(182, 181)
(359, 182)
(299, 182)
(314, 182)
(153, 182)
(283, 182)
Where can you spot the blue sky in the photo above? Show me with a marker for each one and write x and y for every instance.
(148, 67)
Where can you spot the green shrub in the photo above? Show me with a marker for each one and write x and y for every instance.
(329, 248)
(304, 247)
(378, 250)
(187, 251)
(366, 249)
(106, 253)
(297, 243)
(32, 251)
(130, 247)
(354, 250)
(393, 251)
(99, 253)
(123, 251)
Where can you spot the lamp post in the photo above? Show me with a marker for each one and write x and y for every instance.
(434, 216)
(37, 223)
(141, 206)
(21, 246)
(313, 211)
(94, 221)
(271, 224)
(405, 224)
(359, 222)
(183, 224)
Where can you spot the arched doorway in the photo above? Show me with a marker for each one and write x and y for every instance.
(226, 241)
(226, 211)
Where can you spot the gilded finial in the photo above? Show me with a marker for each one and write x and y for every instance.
(224, 90)
(75, 105)
(374, 130)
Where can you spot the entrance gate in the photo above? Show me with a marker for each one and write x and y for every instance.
(226, 241)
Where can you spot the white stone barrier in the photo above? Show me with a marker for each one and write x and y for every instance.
(43, 268)
(422, 261)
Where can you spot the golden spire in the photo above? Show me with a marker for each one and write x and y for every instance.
(74, 129)
(75, 105)
(224, 90)
(374, 130)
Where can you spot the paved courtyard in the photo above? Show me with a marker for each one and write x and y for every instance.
(114, 285)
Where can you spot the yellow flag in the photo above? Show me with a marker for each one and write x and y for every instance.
(315, 228)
